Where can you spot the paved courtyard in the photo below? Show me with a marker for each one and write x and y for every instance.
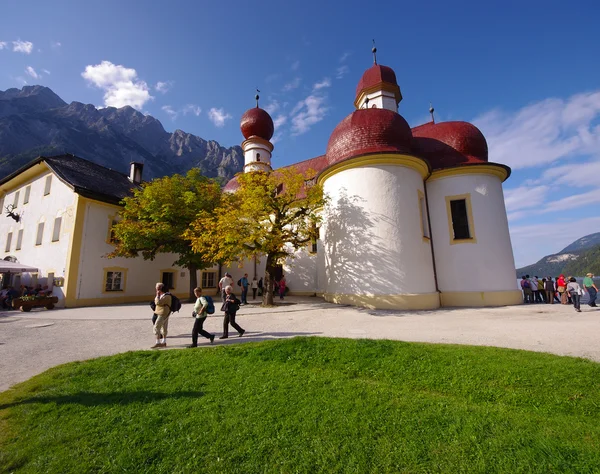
(32, 342)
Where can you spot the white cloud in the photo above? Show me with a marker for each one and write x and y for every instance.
(55, 44)
(279, 121)
(308, 112)
(170, 111)
(218, 116)
(525, 197)
(292, 85)
(45, 71)
(295, 65)
(543, 132)
(24, 47)
(121, 85)
(345, 56)
(191, 109)
(3, 44)
(30, 71)
(272, 107)
(163, 87)
(326, 82)
(341, 71)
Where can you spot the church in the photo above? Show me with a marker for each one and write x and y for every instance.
(416, 218)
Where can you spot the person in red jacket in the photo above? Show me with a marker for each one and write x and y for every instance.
(561, 287)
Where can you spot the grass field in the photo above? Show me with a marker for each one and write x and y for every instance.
(308, 405)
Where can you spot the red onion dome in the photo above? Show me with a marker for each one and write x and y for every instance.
(369, 131)
(449, 144)
(376, 75)
(257, 122)
(232, 185)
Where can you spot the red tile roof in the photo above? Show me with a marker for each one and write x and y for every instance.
(375, 75)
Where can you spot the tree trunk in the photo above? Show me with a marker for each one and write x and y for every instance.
(193, 280)
(268, 283)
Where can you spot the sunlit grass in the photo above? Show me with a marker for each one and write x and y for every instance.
(308, 405)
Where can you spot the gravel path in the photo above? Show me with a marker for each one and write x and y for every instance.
(32, 342)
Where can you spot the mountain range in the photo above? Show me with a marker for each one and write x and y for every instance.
(35, 121)
(577, 258)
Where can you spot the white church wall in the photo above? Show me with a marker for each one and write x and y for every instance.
(486, 262)
(301, 273)
(50, 255)
(375, 253)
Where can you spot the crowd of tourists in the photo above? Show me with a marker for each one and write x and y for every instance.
(560, 290)
(8, 294)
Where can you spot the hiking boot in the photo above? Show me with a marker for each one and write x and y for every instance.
(242, 332)
(212, 338)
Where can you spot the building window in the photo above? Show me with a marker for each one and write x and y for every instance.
(27, 193)
(460, 219)
(8, 242)
(423, 215)
(313, 246)
(16, 201)
(209, 280)
(168, 279)
(19, 239)
(48, 185)
(258, 157)
(40, 234)
(114, 281)
(112, 238)
(56, 231)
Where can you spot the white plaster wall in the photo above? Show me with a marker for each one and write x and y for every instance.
(372, 234)
(49, 256)
(251, 152)
(142, 275)
(301, 272)
(487, 265)
(381, 100)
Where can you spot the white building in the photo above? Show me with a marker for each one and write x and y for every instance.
(416, 219)
(66, 207)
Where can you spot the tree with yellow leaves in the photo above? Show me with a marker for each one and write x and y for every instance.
(270, 214)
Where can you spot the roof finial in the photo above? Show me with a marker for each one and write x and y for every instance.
(431, 110)
(374, 51)
(257, 97)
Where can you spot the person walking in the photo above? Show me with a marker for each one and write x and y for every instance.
(281, 287)
(200, 315)
(163, 302)
(254, 286)
(224, 283)
(244, 284)
(575, 291)
(230, 307)
(590, 287)
(260, 286)
(549, 289)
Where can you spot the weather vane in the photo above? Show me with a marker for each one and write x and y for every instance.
(257, 97)
(431, 110)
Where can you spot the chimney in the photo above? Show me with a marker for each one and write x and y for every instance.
(135, 172)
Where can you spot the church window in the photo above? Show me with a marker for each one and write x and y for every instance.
(40, 234)
(56, 231)
(48, 185)
(209, 280)
(460, 219)
(112, 238)
(374, 106)
(258, 157)
(27, 193)
(168, 279)
(16, 201)
(8, 242)
(19, 239)
(423, 215)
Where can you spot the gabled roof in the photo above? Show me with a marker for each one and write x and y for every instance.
(84, 177)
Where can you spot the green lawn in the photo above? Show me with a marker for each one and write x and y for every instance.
(308, 405)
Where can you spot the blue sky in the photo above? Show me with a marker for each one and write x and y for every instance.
(526, 73)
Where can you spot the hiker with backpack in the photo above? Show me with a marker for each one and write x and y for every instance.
(163, 303)
(203, 307)
(231, 307)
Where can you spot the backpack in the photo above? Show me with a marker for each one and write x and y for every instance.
(210, 309)
(240, 282)
(175, 303)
